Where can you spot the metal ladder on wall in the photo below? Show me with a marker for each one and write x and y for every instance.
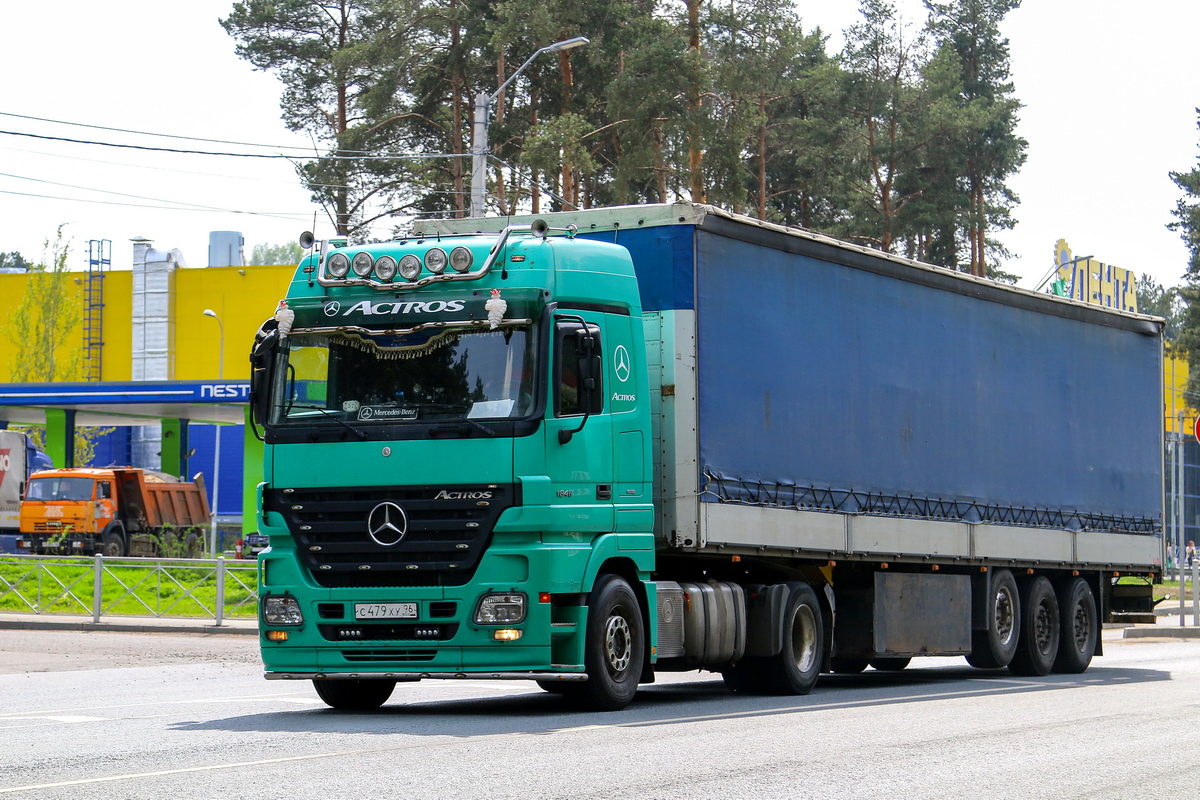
(99, 261)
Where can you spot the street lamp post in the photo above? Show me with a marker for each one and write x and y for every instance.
(212, 543)
(483, 107)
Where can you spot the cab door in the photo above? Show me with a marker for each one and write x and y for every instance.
(579, 449)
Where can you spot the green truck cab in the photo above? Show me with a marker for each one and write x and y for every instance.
(457, 481)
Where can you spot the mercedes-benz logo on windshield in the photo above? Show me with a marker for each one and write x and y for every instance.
(387, 524)
(332, 308)
(621, 363)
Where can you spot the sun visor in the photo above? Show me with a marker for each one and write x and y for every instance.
(409, 311)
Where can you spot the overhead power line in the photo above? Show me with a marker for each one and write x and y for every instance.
(109, 191)
(204, 174)
(401, 156)
(162, 135)
(300, 217)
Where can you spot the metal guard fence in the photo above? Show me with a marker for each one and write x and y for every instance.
(159, 587)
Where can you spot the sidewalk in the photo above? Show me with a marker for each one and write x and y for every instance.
(74, 622)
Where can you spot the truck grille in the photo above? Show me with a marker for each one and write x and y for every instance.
(445, 530)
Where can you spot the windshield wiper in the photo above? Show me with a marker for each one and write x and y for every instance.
(341, 422)
(479, 426)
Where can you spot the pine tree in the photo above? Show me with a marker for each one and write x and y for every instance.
(992, 150)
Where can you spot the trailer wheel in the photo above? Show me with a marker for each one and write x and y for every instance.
(114, 544)
(890, 663)
(795, 669)
(1037, 646)
(615, 645)
(848, 666)
(353, 695)
(1078, 627)
(995, 647)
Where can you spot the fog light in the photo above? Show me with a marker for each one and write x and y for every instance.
(506, 634)
(338, 265)
(501, 609)
(277, 636)
(281, 610)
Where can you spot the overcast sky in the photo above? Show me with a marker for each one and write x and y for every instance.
(1109, 92)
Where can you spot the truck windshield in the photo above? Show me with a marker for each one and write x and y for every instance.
(444, 374)
(59, 489)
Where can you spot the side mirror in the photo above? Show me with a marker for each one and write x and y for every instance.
(262, 364)
(588, 369)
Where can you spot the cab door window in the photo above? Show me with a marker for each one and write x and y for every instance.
(571, 346)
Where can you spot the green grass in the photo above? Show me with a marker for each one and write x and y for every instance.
(65, 586)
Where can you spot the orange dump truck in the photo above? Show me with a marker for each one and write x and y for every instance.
(116, 511)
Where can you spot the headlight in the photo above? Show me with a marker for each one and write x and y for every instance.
(500, 609)
(362, 264)
(435, 260)
(281, 610)
(460, 259)
(410, 267)
(338, 265)
(385, 268)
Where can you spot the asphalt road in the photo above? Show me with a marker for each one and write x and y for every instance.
(108, 715)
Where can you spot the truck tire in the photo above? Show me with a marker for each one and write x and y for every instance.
(615, 645)
(995, 647)
(354, 695)
(795, 669)
(890, 663)
(114, 544)
(1078, 627)
(1037, 646)
(848, 666)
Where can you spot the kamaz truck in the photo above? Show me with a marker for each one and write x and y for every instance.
(593, 447)
(115, 511)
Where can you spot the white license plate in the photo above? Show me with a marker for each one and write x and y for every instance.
(385, 610)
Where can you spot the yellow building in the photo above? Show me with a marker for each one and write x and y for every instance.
(242, 297)
(148, 324)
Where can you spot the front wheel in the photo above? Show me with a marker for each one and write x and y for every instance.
(353, 695)
(615, 646)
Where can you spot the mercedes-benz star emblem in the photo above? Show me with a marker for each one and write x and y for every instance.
(332, 308)
(387, 524)
(621, 364)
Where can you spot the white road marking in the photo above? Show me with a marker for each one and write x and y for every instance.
(186, 770)
(57, 718)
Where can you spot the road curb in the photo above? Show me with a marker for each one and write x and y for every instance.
(1162, 632)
